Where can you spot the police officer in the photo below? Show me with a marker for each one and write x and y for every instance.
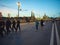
(2, 25)
(13, 25)
(1, 28)
(18, 24)
(8, 25)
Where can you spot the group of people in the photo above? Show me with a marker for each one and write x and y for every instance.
(9, 25)
(13, 25)
(37, 24)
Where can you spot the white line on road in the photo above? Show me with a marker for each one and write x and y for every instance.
(57, 36)
(52, 35)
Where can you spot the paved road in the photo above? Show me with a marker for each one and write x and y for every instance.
(28, 35)
(58, 27)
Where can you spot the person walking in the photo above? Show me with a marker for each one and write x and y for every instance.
(42, 24)
(14, 25)
(37, 24)
(1, 28)
(8, 25)
(18, 24)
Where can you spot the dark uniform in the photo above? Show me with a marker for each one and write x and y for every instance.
(8, 25)
(13, 25)
(2, 25)
(42, 23)
(18, 24)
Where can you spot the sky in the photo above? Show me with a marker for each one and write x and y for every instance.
(40, 7)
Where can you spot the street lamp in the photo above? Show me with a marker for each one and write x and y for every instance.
(18, 4)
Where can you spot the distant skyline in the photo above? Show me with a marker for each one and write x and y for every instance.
(39, 7)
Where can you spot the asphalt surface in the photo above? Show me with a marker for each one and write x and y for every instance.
(58, 27)
(29, 36)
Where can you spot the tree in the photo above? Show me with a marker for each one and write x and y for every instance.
(32, 16)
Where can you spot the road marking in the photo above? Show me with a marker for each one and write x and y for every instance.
(52, 35)
(57, 36)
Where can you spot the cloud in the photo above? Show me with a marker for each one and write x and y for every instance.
(14, 12)
(5, 11)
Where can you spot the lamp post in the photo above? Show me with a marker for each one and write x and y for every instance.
(18, 4)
